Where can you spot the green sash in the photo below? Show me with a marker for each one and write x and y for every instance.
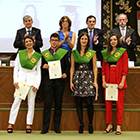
(114, 57)
(57, 56)
(28, 63)
(85, 58)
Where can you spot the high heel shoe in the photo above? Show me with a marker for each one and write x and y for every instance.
(10, 128)
(28, 129)
(118, 132)
(81, 128)
(90, 128)
(110, 130)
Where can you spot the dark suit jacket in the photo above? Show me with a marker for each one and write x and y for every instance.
(19, 43)
(130, 48)
(99, 46)
(65, 69)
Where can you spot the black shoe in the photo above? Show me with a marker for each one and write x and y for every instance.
(90, 128)
(118, 133)
(28, 130)
(57, 131)
(110, 130)
(10, 130)
(81, 128)
(44, 131)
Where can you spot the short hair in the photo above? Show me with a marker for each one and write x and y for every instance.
(122, 14)
(91, 16)
(62, 19)
(26, 17)
(55, 35)
(30, 37)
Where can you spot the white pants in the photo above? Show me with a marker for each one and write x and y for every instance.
(15, 108)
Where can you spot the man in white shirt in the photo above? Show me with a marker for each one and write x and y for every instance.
(127, 36)
(31, 31)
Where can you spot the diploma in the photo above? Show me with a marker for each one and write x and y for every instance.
(111, 92)
(22, 91)
(55, 69)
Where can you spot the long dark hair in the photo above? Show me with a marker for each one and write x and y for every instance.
(79, 44)
(109, 49)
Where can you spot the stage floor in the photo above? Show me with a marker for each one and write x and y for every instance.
(69, 135)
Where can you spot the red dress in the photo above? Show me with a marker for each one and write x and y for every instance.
(114, 75)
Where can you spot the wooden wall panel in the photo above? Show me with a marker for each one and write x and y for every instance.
(132, 96)
(69, 116)
(69, 121)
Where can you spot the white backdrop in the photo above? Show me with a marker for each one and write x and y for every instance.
(46, 15)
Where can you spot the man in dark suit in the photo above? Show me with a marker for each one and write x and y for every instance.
(127, 36)
(54, 88)
(96, 36)
(28, 30)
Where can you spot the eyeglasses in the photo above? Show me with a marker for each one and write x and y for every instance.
(54, 40)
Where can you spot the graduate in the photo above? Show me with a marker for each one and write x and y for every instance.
(54, 88)
(114, 71)
(28, 69)
(83, 78)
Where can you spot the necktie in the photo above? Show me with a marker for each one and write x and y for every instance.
(91, 40)
(53, 52)
(29, 32)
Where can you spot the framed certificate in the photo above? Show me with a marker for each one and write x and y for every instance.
(111, 92)
(22, 91)
(55, 70)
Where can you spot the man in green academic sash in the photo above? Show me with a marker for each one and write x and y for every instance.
(54, 88)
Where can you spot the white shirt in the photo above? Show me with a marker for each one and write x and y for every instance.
(89, 31)
(123, 31)
(28, 30)
(31, 77)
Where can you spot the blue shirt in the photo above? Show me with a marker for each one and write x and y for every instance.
(65, 45)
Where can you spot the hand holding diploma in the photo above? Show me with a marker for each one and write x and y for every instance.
(111, 92)
(22, 89)
(55, 70)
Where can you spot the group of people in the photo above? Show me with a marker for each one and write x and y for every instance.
(80, 64)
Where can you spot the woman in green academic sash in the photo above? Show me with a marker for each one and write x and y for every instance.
(83, 78)
(27, 74)
(114, 71)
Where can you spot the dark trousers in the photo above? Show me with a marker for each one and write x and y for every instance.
(52, 92)
(79, 108)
